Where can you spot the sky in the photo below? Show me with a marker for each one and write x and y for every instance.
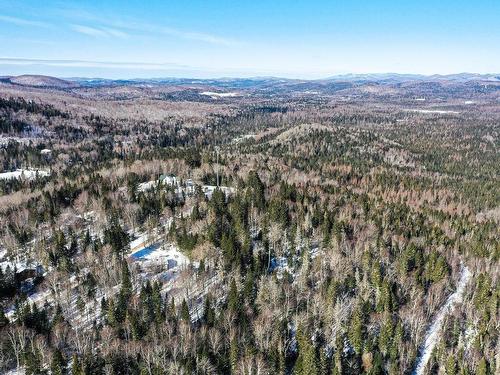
(240, 38)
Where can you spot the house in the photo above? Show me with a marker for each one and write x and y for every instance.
(190, 187)
(29, 273)
(139, 243)
(169, 179)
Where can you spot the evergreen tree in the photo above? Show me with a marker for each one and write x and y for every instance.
(33, 362)
(208, 313)
(233, 354)
(58, 363)
(126, 287)
(170, 311)
(385, 335)
(3, 319)
(451, 365)
(482, 367)
(306, 362)
(233, 303)
(256, 190)
(185, 312)
(356, 330)
(76, 366)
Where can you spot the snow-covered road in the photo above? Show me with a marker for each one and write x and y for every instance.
(434, 332)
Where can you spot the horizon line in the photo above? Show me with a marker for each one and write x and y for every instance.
(239, 73)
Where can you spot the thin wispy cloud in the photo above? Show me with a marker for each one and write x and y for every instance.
(202, 37)
(98, 31)
(92, 64)
(23, 22)
(115, 29)
(123, 27)
(115, 32)
(87, 30)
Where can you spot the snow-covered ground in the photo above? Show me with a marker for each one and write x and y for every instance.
(217, 95)
(37, 298)
(280, 265)
(209, 190)
(181, 189)
(28, 174)
(439, 111)
(434, 332)
(167, 254)
(18, 264)
(16, 371)
(145, 186)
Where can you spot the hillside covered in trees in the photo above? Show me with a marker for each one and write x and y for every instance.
(288, 228)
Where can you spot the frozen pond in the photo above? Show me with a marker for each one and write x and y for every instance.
(146, 252)
(167, 254)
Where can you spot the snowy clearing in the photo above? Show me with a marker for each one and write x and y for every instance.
(29, 174)
(167, 254)
(438, 111)
(217, 95)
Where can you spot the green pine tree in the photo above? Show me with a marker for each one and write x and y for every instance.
(76, 366)
(58, 363)
(185, 312)
(234, 354)
(233, 302)
(451, 365)
(356, 331)
(482, 367)
(126, 288)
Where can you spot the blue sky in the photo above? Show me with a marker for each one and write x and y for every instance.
(294, 38)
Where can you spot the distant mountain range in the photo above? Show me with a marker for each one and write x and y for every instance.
(396, 77)
(40, 81)
(376, 77)
(383, 78)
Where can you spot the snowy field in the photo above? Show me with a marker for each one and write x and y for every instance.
(29, 174)
(431, 111)
(217, 95)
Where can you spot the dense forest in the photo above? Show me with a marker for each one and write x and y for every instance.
(263, 235)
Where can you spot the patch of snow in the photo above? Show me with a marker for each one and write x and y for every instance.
(145, 186)
(430, 111)
(29, 174)
(139, 241)
(209, 190)
(18, 265)
(470, 335)
(16, 371)
(217, 95)
(167, 254)
(314, 250)
(165, 180)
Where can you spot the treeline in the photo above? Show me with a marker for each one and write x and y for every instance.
(30, 106)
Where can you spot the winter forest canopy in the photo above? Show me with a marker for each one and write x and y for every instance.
(268, 227)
